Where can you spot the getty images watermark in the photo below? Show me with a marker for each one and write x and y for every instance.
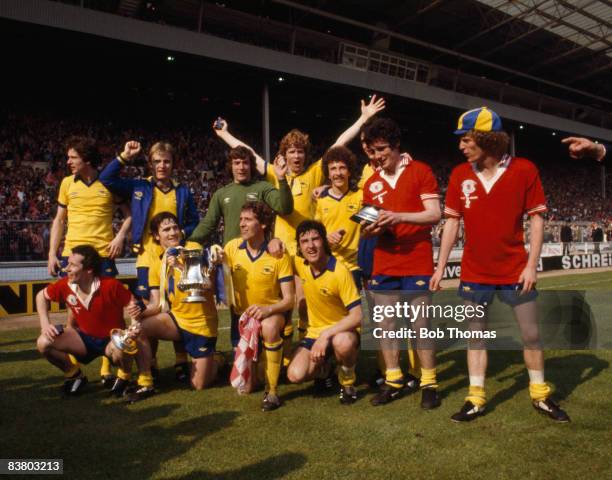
(491, 319)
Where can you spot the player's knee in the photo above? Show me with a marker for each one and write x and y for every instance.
(43, 344)
(270, 330)
(344, 343)
(294, 374)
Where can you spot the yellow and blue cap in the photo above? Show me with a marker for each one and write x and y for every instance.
(480, 119)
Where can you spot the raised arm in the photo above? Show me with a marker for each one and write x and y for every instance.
(367, 111)
(110, 175)
(224, 134)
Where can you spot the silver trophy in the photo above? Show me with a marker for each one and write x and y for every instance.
(368, 213)
(195, 275)
(124, 339)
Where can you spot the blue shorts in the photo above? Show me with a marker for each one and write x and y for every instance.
(365, 255)
(94, 346)
(412, 283)
(107, 268)
(198, 346)
(484, 293)
(142, 283)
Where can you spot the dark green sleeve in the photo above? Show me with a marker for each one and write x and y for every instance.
(209, 223)
(280, 200)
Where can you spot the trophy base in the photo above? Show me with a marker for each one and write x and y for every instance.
(120, 341)
(357, 219)
(194, 299)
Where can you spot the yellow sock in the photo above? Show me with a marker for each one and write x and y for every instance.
(73, 360)
(180, 357)
(539, 391)
(145, 379)
(287, 344)
(273, 358)
(477, 396)
(394, 377)
(105, 368)
(381, 362)
(346, 376)
(123, 375)
(414, 365)
(73, 370)
(428, 378)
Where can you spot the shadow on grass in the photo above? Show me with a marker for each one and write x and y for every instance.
(270, 469)
(18, 342)
(19, 356)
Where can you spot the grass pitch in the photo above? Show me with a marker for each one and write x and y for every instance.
(216, 434)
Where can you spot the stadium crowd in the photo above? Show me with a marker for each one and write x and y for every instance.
(33, 154)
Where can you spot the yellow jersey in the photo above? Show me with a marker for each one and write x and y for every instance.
(161, 202)
(90, 214)
(301, 186)
(335, 214)
(329, 295)
(256, 279)
(366, 173)
(196, 318)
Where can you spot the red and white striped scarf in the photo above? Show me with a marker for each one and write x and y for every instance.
(246, 351)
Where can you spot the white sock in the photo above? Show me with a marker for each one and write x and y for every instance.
(477, 381)
(536, 376)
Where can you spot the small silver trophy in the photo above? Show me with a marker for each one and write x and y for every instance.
(195, 275)
(124, 339)
(368, 213)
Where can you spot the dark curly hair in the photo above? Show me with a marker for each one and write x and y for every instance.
(342, 154)
(263, 213)
(91, 258)
(242, 152)
(382, 129)
(307, 226)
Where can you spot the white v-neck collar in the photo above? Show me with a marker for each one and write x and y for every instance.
(392, 179)
(502, 166)
(95, 285)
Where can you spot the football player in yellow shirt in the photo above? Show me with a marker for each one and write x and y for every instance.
(195, 324)
(336, 205)
(334, 313)
(303, 179)
(263, 288)
(86, 207)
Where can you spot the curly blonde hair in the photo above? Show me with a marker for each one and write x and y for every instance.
(297, 139)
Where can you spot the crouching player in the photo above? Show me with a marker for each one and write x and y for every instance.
(264, 289)
(334, 313)
(195, 324)
(96, 304)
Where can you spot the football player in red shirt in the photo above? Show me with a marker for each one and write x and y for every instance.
(406, 193)
(96, 304)
(491, 192)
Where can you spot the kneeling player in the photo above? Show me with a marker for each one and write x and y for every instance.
(195, 324)
(96, 304)
(264, 289)
(334, 313)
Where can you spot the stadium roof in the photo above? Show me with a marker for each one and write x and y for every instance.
(560, 47)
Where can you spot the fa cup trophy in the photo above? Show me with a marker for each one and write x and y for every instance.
(368, 213)
(196, 273)
(124, 339)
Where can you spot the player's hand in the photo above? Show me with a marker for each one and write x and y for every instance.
(115, 247)
(258, 312)
(134, 331)
(528, 279)
(387, 218)
(583, 147)
(131, 150)
(134, 310)
(316, 193)
(370, 229)
(222, 124)
(172, 261)
(319, 348)
(434, 282)
(276, 248)
(334, 238)
(53, 265)
(50, 332)
(372, 108)
(280, 167)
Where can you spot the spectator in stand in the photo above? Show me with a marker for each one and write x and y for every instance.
(566, 238)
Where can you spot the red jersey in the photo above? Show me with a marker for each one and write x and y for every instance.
(492, 212)
(403, 249)
(101, 311)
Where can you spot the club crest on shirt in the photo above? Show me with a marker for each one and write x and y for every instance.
(376, 187)
(226, 200)
(138, 195)
(324, 291)
(467, 188)
(352, 207)
(252, 197)
(267, 270)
